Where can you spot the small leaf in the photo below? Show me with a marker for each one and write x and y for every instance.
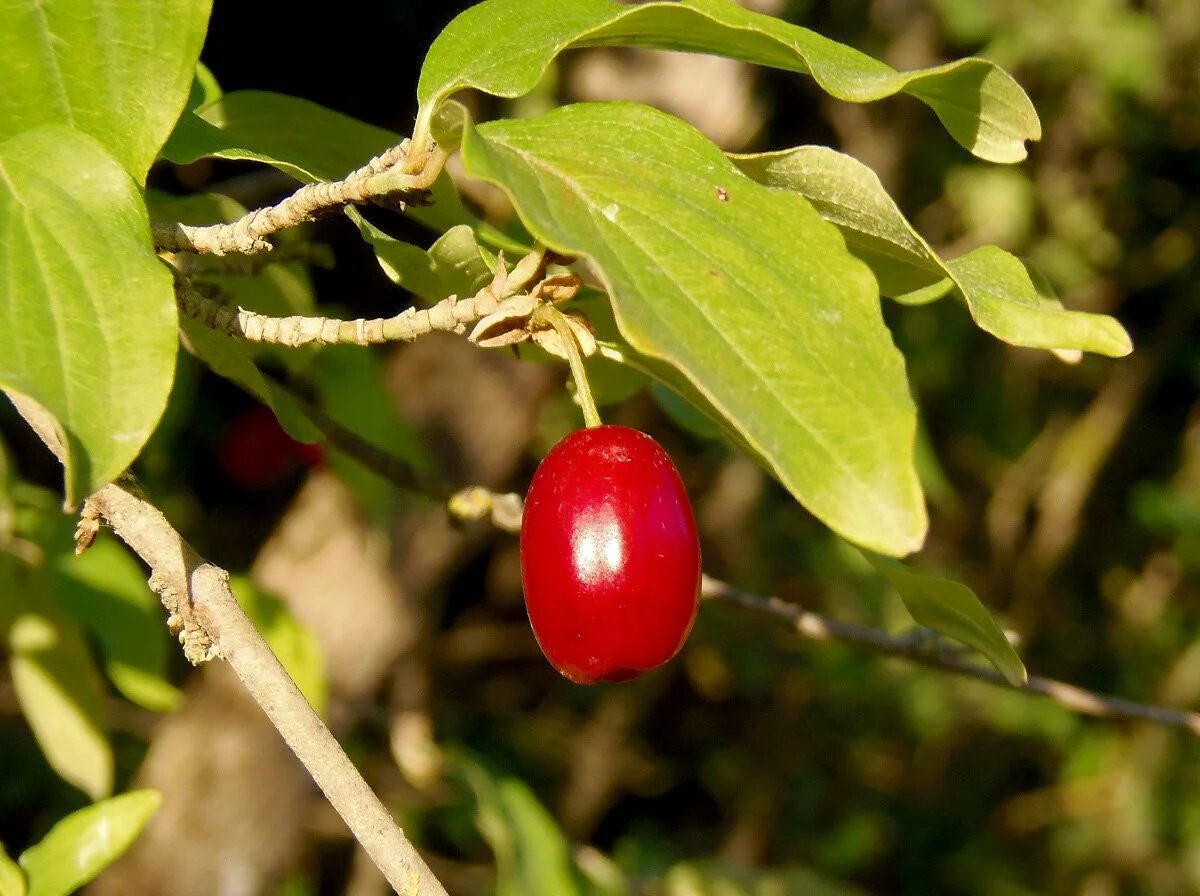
(118, 71)
(995, 285)
(953, 609)
(62, 698)
(86, 842)
(532, 856)
(105, 590)
(453, 265)
(503, 47)
(459, 263)
(294, 645)
(12, 878)
(87, 311)
(703, 272)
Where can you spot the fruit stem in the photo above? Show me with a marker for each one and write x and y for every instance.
(556, 319)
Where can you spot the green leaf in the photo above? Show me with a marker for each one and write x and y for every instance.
(87, 311)
(503, 47)
(12, 878)
(105, 590)
(532, 855)
(702, 268)
(86, 842)
(294, 645)
(953, 609)
(205, 89)
(995, 285)
(62, 698)
(1005, 302)
(230, 358)
(453, 265)
(118, 71)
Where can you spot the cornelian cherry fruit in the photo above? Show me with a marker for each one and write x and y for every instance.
(610, 561)
(256, 453)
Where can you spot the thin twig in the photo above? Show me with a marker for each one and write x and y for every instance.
(381, 178)
(382, 463)
(930, 652)
(927, 651)
(451, 315)
(211, 623)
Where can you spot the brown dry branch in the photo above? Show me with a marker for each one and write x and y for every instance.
(380, 179)
(210, 623)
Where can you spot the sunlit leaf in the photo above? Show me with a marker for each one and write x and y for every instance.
(105, 589)
(504, 46)
(87, 312)
(86, 842)
(952, 609)
(702, 268)
(12, 878)
(995, 285)
(118, 71)
(61, 696)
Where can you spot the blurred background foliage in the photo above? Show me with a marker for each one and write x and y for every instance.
(1068, 496)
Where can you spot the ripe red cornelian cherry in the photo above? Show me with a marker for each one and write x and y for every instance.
(610, 561)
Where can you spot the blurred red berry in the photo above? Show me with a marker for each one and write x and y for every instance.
(255, 452)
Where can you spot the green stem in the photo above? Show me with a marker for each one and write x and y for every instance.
(556, 319)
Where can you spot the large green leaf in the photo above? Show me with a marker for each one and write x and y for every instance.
(87, 312)
(86, 842)
(995, 285)
(61, 696)
(118, 70)
(953, 609)
(105, 590)
(703, 270)
(503, 47)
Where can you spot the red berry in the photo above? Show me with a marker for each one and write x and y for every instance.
(255, 451)
(610, 561)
